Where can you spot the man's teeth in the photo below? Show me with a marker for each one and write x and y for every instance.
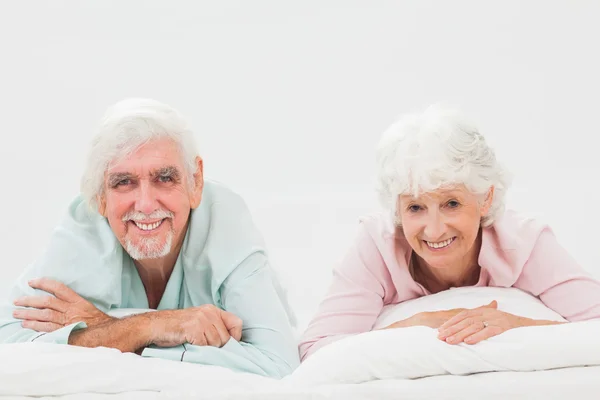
(439, 245)
(148, 227)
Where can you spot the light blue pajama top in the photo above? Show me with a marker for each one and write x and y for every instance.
(222, 262)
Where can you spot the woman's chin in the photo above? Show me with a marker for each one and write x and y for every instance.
(439, 262)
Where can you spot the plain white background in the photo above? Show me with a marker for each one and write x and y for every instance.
(288, 100)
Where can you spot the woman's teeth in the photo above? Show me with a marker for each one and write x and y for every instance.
(439, 245)
(148, 227)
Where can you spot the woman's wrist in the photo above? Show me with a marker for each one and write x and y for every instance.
(415, 320)
(523, 322)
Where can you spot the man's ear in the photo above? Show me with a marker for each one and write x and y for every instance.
(487, 203)
(101, 200)
(196, 192)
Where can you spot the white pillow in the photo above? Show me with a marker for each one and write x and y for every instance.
(510, 300)
(416, 352)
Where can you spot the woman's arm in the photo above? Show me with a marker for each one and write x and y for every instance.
(559, 281)
(354, 299)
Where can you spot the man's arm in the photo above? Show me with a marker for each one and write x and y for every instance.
(267, 345)
(83, 253)
(203, 325)
(128, 335)
(64, 317)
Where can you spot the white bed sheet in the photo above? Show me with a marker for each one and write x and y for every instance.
(522, 360)
(567, 383)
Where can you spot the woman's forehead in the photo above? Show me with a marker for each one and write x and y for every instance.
(440, 193)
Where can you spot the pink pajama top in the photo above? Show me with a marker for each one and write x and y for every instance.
(515, 252)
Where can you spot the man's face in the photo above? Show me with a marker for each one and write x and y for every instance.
(148, 198)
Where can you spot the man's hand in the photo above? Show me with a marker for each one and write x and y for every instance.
(206, 325)
(48, 313)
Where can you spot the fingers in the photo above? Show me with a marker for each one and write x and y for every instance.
(58, 289)
(233, 323)
(41, 326)
(41, 302)
(483, 334)
(208, 325)
(468, 313)
(208, 328)
(195, 327)
(44, 315)
(217, 334)
(466, 331)
(198, 340)
(493, 304)
(213, 336)
(458, 327)
(455, 320)
(223, 333)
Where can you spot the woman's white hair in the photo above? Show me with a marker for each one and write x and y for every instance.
(438, 148)
(126, 126)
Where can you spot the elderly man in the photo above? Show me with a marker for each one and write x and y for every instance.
(153, 259)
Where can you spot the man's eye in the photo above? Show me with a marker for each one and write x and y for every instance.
(123, 182)
(165, 179)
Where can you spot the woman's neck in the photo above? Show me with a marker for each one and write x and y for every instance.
(465, 273)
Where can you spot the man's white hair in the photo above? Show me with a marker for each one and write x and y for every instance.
(438, 148)
(126, 126)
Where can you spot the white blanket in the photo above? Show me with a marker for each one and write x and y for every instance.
(37, 369)
(416, 352)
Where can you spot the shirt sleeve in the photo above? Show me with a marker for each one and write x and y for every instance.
(11, 330)
(267, 346)
(559, 281)
(354, 299)
(82, 253)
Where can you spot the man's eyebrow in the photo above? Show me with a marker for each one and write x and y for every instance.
(168, 170)
(117, 177)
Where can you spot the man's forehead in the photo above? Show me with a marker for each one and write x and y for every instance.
(152, 155)
(147, 170)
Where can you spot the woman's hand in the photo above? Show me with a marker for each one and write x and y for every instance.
(473, 326)
(432, 319)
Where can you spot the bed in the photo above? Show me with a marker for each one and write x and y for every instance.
(546, 362)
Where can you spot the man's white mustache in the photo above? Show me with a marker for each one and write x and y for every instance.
(140, 216)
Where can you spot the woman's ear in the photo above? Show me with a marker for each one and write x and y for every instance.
(487, 203)
(196, 192)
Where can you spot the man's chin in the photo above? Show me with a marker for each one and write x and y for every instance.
(142, 252)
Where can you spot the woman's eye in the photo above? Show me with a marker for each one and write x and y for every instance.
(414, 208)
(453, 204)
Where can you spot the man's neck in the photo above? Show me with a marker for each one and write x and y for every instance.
(155, 274)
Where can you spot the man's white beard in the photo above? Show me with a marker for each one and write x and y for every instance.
(148, 248)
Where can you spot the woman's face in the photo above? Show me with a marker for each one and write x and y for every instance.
(442, 226)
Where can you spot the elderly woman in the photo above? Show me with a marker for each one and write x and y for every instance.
(446, 228)
(154, 259)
